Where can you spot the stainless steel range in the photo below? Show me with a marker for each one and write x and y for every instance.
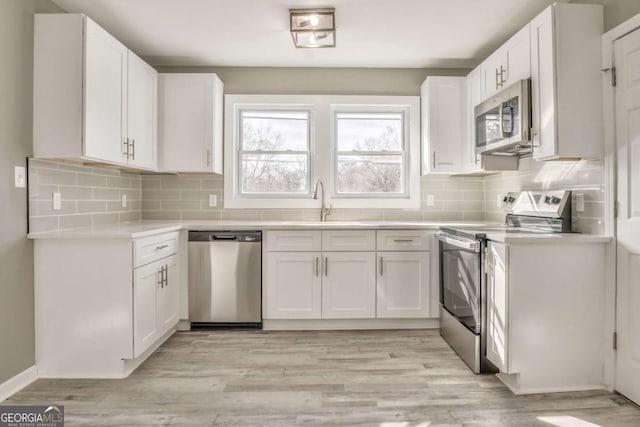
(462, 276)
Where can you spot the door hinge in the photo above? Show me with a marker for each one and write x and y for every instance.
(615, 340)
(614, 80)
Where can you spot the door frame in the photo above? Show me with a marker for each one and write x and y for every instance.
(610, 163)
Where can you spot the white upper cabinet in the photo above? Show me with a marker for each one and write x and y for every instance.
(190, 122)
(566, 82)
(142, 113)
(442, 106)
(507, 65)
(85, 106)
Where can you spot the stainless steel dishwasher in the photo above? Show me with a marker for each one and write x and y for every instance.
(225, 278)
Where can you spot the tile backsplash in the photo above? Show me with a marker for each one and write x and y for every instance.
(90, 195)
(582, 177)
(170, 197)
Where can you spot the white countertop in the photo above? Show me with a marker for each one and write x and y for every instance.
(132, 230)
(136, 229)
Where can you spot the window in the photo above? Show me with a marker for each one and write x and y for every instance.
(370, 154)
(274, 153)
(366, 150)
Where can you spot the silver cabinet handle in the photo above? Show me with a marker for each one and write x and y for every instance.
(125, 148)
(326, 266)
(161, 279)
(497, 75)
(133, 149)
(208, 157)
(502, 79)
(434, 160)
(161, 247)
(381, 268)
(317, 271)
(403, 240)
(166, 275)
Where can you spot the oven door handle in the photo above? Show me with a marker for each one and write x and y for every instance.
(459, 242)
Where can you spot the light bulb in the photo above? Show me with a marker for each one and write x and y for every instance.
(314, 20)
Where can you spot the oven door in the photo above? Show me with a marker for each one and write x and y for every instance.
(461, 279)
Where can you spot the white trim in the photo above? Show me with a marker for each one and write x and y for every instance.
(321, 155)
(508, 380)
(18, 382)
(348, 324)
(608, 41)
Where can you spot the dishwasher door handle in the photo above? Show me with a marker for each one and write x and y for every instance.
(224, 237)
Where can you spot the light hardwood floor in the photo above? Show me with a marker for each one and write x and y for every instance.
(368, 378)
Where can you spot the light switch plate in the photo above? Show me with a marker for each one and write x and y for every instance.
(124, 201)
(20, 176)
(430, 199)
(213, 200)
(579, 201)
(57, 201)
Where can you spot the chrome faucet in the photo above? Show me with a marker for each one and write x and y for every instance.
(324, 211)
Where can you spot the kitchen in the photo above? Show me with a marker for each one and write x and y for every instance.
(378, 167)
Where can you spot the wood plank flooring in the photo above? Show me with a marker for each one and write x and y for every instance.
(352, 378)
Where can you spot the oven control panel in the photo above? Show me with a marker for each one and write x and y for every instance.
(536, 203)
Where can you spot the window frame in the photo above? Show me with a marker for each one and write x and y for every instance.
(322, 150)
(239, 152)
(404, 152)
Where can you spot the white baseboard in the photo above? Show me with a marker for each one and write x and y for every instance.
(348, 324)
(511, 381)
(17, 383)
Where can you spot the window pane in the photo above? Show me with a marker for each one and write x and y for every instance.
(275, 131)
(271, 173)
(370, 174)
(369, 131)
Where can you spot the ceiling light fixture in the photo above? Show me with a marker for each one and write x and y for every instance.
(313, 27)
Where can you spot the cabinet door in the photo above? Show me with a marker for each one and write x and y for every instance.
(442, 100)
(104, 96)
(493, 72)
(142, 88)
(146, 282)
(403, 284)
(543, 90)
(517, 56)
(473, 97)
(348, 285)
(169, 295)
(497, 306)
(293, 286)
(190, 122)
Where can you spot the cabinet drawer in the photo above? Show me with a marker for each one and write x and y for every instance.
(153, 248)
(293, 241)
(404, 240)
(349, 240)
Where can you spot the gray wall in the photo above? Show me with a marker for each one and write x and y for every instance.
(16, 252)
(618, 11)
(334, 81)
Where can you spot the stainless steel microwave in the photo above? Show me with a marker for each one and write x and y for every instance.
(503, 122)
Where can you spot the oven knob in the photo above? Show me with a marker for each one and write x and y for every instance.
(555, 200)
(547, 199)
(512, 199)
(505, 199)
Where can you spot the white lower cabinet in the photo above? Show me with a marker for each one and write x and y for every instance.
(349, 285)
(155, 302)
(393, 283)
(403, 284)
(102, 305)
(497, 299)
(293, 285)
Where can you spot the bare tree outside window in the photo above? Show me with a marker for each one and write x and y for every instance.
(274, 152)
(370, 153)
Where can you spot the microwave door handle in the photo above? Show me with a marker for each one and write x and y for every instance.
(500, 122)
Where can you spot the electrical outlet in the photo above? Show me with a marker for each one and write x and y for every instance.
(499, 199)
(20, 177)
(579, 201)
(213, 200)
(124, 200)
(430, 199)
(57, 201)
